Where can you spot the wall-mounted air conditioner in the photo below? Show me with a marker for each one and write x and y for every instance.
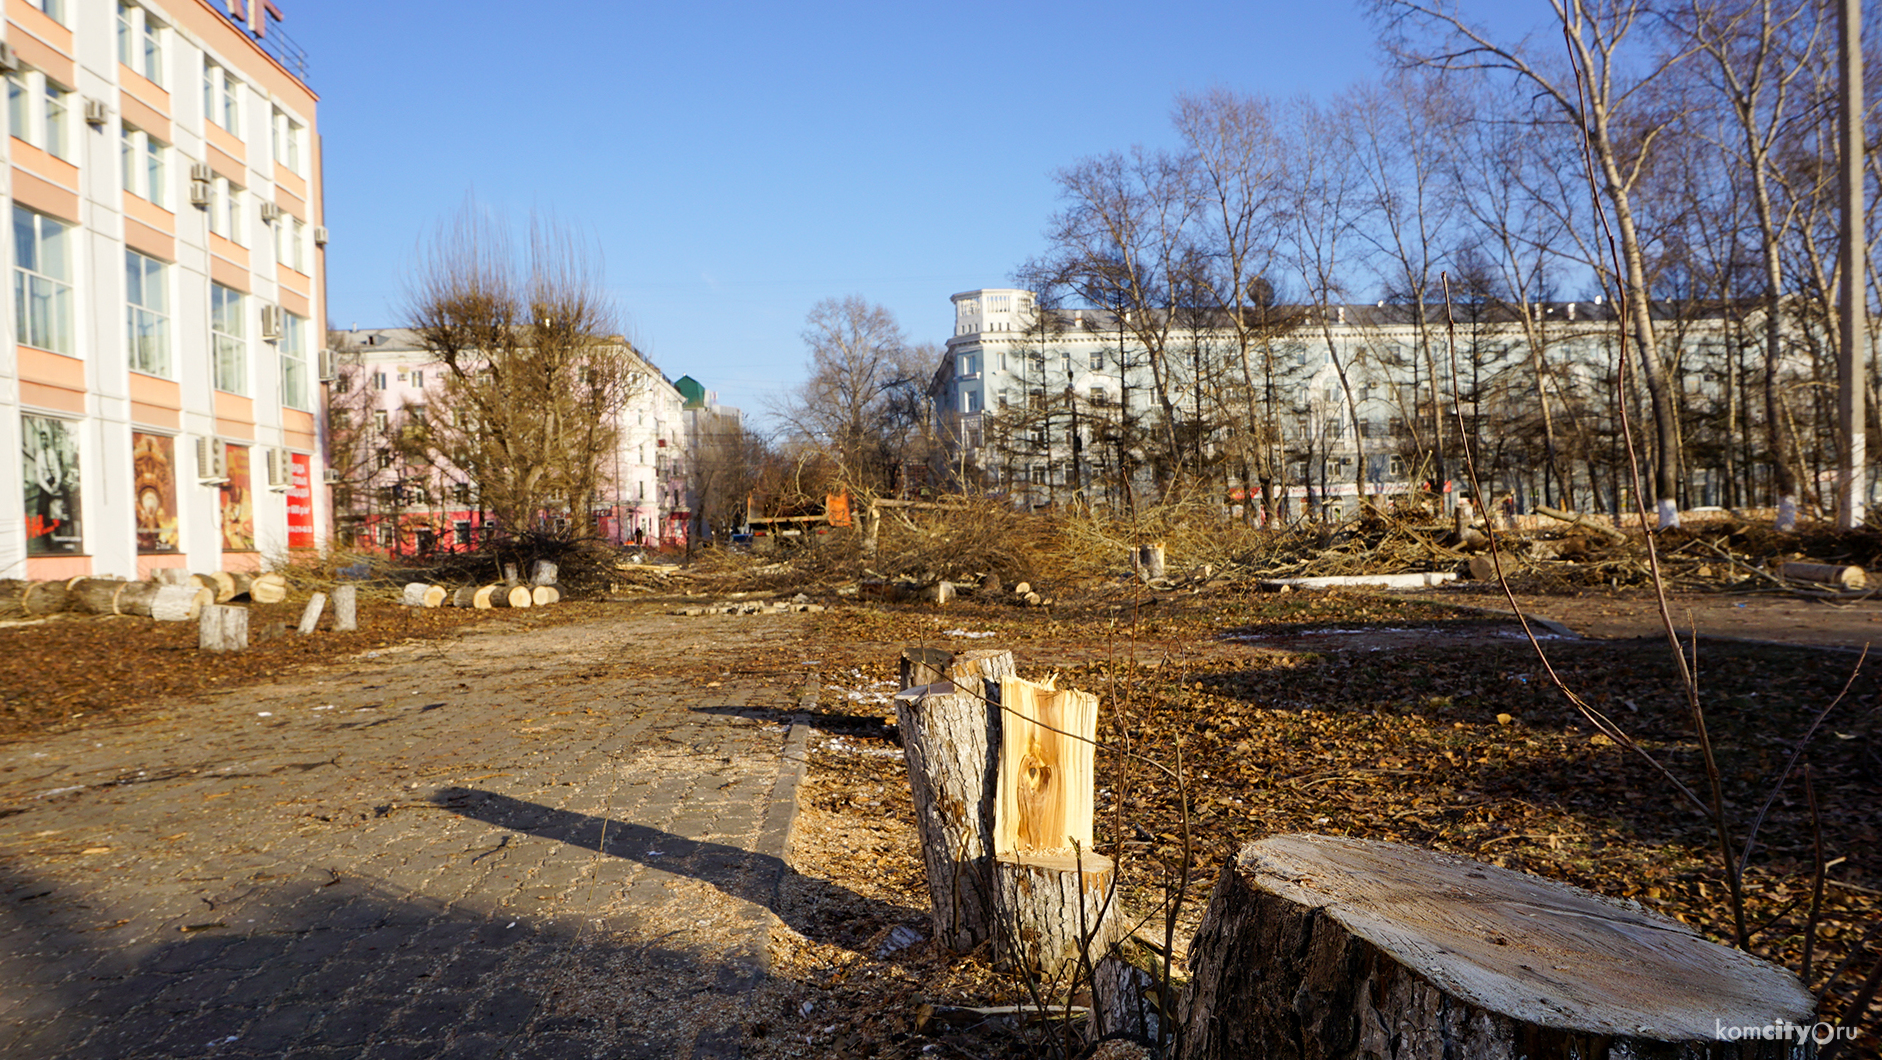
(270, 213)
(201, 171)
(212, 460)
(329, 366)
(96, 113)
(320, 235)
(332, 477)
(9, 59)
(271, 323)
(199, 193)
(280, 469)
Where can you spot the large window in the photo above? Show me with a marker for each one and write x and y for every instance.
(222, 97)
(294, 362)
(38, 112)
(226, 328)
(140, 42)
(143, 157)
(147, 314)
(290, 237)
(225, 209)
(288, 137)
(42, 281)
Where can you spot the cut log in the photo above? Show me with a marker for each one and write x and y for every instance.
(951, 740)
(222, 628)
(543, 573)
(481, 598)
(421, 594)
(135, 598)
(97, 596)
(510, 596)
(1053, 914)
(1338, 949)
(270, 588)
(465, 596)
(345, 608)
(217, 582)
(1582, 521)
(180, 603)
(28, 599)
(1842, 577)
(544, 595)
(310, 615)
(240, 583)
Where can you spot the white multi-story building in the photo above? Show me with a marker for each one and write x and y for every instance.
(162, 180)
(395, 500)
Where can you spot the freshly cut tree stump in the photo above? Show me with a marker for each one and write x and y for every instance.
(951, 740)
(179, 603)
(544, 595)
(1148, 559)
(1052, 913)
(1340, 949)
(345, 608)
(420, 594)
(25, 599)
(1826, 574)
(270, 588)
(310, 615)
(510, 596)
(222, 628)
(98, 596)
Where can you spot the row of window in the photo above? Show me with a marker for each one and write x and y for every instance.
(44, 312)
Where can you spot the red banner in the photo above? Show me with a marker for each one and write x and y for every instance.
(301, 503)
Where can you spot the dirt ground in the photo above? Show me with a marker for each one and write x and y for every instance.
(1352, 714)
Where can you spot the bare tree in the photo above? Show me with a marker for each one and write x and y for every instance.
(536, 372)
(865, 399)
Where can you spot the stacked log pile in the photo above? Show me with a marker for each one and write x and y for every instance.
(103, 596)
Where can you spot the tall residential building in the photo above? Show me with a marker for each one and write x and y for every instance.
(159, 377)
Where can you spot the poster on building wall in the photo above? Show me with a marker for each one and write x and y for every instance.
(238, 507)
(153, 465)
(52, 495)
(301, 503)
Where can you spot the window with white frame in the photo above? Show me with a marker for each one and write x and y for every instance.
(54, 9)
(969, 365)
(222, 97)
(294, 389)
(147, 314)
(288, 137)
(42, 281)
(225, 209)
(144, 160)
(972, 401)
(226, 330)
(39, 113)
(140, 42)
(290, 237)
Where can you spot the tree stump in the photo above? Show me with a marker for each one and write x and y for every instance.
(345, 608)
(1149, 561)
(950, 740)
(1324, 948)
(180, 603)
(222, 628)
(310, 615)
(421, 594)
(924, 666)
(1052, 896)
(543, 573)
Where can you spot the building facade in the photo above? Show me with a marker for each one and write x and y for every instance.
(159, 373)
(395, 495)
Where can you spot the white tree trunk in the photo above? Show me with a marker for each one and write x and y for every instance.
(180, 603)
(543, 573)
(345, 608)
(310, 615)
(222, 628)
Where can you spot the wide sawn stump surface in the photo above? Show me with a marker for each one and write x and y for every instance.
(1323, 947)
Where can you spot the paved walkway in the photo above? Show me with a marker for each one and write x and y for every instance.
(512, 844)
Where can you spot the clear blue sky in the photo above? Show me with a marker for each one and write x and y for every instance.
(737, 162)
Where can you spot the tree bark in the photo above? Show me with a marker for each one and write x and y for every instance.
(1341, 949)
(217, 582)
(99, 596)
(510, 596)
(1053, 914)
(345, 608)
(222, 628)
(180, 603)
(26, 599)
(423, 594)
(543, 573)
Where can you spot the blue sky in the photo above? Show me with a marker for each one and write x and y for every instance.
(737, 162)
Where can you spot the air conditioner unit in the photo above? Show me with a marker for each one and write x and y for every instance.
(332, 477)
(320, 235)
(201, 171)
(270, 213)
(212, 460)
(329, 366)
(9, 59)
(270, 323)
(96, 113)
(280, 469)
(199, 193)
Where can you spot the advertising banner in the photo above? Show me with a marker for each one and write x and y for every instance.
(301, 503)
(52, 495)
(238, 505)
(153, 467)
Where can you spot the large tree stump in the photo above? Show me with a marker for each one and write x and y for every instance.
(1052, 896)
(1324, 948)
(222, 628)
(345, 608)
(1148, 560)
(950, 739)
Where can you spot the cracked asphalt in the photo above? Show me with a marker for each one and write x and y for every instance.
(559, 842)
